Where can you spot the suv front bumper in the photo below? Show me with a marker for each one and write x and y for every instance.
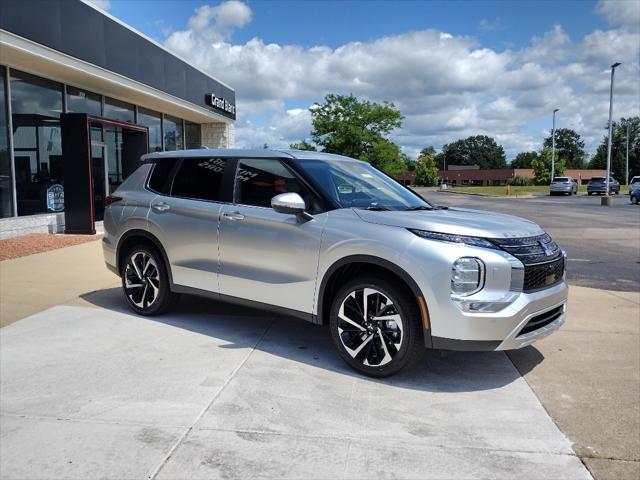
(545, 309)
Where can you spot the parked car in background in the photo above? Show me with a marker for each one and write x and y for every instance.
(333, 241)
(633, 181)
(598, 185)
(564, 186)
(634, 193)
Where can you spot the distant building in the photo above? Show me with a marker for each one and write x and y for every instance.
(473, 176)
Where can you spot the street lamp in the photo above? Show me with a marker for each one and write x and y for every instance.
(613, 69)
(553, 146)
(626, 176)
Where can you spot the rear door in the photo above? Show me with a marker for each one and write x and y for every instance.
(266, 256)
(185, 218)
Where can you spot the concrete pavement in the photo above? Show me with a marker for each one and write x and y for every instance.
(211, 391)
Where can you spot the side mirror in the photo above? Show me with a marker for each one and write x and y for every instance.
(291, 203)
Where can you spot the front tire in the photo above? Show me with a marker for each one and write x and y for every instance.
(376, 327)
(634, 200)
(145, 283)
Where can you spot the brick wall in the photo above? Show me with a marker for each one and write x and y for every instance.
(218, 135)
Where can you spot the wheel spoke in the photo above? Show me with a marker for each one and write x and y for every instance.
(135, 266)
(355, 352)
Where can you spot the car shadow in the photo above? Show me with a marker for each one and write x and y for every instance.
(300, 341)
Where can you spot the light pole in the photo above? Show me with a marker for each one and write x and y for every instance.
(626, 176)
(553, 146)
(613, 69)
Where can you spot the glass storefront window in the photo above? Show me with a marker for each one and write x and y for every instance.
(82, 101)
(153, 121)
(192, 135)
(173, 133)
(36, 104)
(117, 110)
(6, 188)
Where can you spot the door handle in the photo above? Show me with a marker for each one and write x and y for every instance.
(160, 207)
(233, 216)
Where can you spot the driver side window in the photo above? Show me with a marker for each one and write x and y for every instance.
(259, 180)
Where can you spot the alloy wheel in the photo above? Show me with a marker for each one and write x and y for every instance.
(142, 280)
(370, 327)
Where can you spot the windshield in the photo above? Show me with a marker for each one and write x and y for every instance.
(561, 179)
(597, 179)
(359, 185)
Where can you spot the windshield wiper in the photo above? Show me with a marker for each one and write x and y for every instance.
(418, 207)
(377, 208)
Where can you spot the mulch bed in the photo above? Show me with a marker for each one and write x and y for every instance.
(39, 242)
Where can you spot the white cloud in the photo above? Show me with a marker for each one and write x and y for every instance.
(620, 12)
(447, 86)
(103, 4)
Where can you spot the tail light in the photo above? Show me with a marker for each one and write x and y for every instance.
(109, 199)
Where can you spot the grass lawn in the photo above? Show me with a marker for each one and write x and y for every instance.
(513, 191)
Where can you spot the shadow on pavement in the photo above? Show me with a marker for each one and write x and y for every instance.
(299, 341)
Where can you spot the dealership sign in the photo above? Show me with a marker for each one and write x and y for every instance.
(220, 103)
(55, 198)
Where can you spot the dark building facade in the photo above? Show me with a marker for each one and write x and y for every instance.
(61, 57)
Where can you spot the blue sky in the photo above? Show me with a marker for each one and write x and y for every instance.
(454, 68)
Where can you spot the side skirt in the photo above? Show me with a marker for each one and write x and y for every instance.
(244, 302)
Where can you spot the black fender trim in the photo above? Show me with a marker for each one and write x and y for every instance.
(156, 243)
(288, 312)
(379, 262)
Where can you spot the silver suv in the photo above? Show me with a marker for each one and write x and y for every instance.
(333, 241)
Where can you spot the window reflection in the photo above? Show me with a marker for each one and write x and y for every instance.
(36, 104)
(82, 101)
(117, 110)
(152, 120)
(6, 195)
(172, 133)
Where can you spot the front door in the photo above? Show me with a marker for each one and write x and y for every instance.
(99, 177)
(266, 256)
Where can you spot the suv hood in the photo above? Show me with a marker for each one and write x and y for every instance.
(458, 221)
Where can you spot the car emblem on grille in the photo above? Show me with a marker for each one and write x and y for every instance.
(548, 251)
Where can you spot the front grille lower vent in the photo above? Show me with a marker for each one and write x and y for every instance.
(542, 320)
(542, 259)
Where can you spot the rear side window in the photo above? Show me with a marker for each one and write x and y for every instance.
(258, 181)
(160, 180)
(199, 178)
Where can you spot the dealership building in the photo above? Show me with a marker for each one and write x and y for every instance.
(82, 96)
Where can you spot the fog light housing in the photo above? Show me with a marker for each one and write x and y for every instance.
(467, 276)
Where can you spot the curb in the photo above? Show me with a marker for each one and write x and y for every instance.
(526, 195)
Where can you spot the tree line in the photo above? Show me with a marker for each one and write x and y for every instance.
(346, 125)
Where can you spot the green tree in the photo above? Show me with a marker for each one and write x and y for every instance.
(569, 147)
(426, 168)
(475, 150)
(345, 125)
(542, 167)
(619, 149)
(524, 159)
(303, 145)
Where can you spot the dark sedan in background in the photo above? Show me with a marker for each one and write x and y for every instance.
(598, 185)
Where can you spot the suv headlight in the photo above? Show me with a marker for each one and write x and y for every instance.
(452, 238)
(467, 276)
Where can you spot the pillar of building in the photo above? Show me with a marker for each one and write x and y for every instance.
(218, 135)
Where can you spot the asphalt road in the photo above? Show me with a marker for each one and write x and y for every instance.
(602, 243)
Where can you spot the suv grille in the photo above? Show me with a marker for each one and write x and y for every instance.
(541, 320)
(542, 259)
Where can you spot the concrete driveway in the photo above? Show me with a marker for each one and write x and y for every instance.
(89, 390)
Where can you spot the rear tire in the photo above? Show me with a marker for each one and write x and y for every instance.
(589, 193)
(376, 326)
(145, 282)
(634, 200)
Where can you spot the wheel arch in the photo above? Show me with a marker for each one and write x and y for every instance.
(352, 265)
(140, 237)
